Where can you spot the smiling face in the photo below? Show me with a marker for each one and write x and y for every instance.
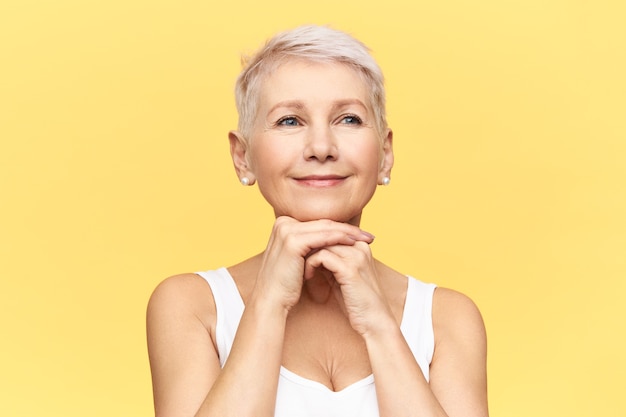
(315, 151)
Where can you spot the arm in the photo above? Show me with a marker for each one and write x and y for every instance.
(457, 385)
(187, 378)
(183, 358)
(458, 382)
(252, 367)
(186, 374)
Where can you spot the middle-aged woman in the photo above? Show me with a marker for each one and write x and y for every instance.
(314, 325)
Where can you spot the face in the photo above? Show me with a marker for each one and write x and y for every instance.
(314, 150)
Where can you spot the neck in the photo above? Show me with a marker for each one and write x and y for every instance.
(319, 289)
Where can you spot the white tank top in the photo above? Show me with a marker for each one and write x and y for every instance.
(301, 397)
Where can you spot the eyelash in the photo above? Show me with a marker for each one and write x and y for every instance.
(282, 120)
(356, 120)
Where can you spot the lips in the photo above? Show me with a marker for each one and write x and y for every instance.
(320, 180)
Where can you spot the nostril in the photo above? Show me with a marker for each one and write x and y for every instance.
(320, 144)
(322, 157)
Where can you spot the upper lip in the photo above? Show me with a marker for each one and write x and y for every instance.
(321, 177)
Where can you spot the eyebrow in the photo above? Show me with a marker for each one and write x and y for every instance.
(292, 104)
(299, 105)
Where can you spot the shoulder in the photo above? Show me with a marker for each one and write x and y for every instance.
(456, 317)
(181, 345)
(180, 289)
(458, 371)
(180, 296)
(453, 301)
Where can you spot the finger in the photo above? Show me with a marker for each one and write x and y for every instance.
(322, 258)
(337, 259)
(305, 237)
(342, 261)
(331, 228)
(323, 225)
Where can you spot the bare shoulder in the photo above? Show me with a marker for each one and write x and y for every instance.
(181, 345)
(453, 310)
(180, 284)
(182, 295)
(457, 322)
(458, 371)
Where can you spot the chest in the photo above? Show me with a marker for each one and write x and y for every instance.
(320, 345)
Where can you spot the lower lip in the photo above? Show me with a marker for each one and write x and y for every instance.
(320, 183)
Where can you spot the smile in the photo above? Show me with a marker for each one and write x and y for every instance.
(320, 181)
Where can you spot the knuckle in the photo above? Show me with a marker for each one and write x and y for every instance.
(363, 253)
(279, 222)
(326, 222)
(281, 227)
(287, 238)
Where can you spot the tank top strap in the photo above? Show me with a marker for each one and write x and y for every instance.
(228, 306)
(417, 322)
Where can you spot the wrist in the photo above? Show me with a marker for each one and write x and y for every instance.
(384, 329)
(263, 305)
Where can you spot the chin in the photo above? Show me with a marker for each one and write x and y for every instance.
(334, 215)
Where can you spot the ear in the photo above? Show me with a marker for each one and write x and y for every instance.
(386, 161)
(239, 153)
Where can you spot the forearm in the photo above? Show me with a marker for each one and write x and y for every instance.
(401, 389)
(252, 368)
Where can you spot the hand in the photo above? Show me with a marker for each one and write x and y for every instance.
(281, 275)
(353, 268)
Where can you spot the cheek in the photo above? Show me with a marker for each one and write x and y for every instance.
(257, 155)
(372, 156)
(267, 161)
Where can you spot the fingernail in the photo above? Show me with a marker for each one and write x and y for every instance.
(369, 235)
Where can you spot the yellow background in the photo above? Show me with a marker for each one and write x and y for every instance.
(509, 185)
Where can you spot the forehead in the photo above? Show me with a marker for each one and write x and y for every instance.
(312, 83)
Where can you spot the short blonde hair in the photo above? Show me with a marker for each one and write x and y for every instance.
(311, 43)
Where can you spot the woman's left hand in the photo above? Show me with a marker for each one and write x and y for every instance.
(355, 281)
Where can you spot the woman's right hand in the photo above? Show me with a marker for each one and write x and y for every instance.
(281, 275)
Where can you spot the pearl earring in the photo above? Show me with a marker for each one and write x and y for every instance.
(245, 181)
(386, 180)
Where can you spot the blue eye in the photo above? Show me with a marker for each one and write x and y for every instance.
(351, 120)
(288, 121)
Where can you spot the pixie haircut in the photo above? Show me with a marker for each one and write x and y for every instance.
(310, 43)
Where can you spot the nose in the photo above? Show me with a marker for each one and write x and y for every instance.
(321, 144)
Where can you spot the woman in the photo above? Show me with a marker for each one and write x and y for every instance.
(327, 330)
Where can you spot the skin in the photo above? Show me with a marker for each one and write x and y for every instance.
(317, 301)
